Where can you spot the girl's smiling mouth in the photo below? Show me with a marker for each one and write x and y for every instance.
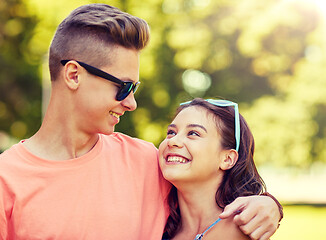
(176, 159)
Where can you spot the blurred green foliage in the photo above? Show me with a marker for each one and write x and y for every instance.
(20, 89)
(265, 55)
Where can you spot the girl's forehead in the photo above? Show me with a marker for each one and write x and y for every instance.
(195, 114)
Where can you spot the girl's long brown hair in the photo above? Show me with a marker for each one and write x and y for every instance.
(242, 179)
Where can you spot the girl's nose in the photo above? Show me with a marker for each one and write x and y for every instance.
(175, 141)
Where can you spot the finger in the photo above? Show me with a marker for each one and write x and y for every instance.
(258, 233)
(264, 232)
(257, 228)
(265, 236)
(233, 208)
(247, 225)
(246, 217)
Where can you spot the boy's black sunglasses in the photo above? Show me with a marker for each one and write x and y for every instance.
(126, 87)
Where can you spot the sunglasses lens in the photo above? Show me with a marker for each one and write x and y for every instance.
(136, 86)
(124, 91)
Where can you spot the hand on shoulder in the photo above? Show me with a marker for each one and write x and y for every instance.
(228, 229)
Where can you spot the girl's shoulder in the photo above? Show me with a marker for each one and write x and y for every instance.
(226, 229)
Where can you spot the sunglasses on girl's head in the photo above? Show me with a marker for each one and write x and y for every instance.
(125, 87)
(226, 103)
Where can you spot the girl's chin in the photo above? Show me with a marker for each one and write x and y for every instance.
(173, 176)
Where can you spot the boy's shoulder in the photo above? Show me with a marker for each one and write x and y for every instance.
(123, 138)
(9, 152)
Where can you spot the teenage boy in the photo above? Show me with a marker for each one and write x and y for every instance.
(78, 179)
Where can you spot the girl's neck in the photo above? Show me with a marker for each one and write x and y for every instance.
(198, 209)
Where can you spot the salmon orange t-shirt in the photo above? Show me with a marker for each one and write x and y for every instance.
(115, 191)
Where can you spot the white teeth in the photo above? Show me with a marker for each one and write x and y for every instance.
(176, 159)
(114, 114)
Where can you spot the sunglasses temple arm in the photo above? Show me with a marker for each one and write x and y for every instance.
(237, 127)
(100, 73)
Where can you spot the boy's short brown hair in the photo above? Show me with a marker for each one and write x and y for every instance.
(90, 30)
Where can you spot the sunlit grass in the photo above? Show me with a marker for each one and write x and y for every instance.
(302, 223)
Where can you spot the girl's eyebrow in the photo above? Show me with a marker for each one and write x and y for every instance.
(190, 126)
(197, 125)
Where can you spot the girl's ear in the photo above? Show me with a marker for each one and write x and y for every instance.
(230, 157)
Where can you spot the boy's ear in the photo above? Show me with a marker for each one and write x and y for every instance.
(71, 74)
(229, 159)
